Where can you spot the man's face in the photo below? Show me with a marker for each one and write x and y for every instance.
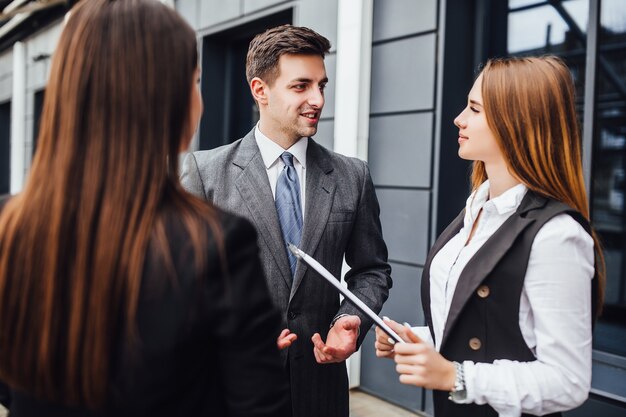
(295, 99)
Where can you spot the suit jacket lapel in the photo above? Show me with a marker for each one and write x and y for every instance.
(487, 257)
(320, 190)
(255, 191)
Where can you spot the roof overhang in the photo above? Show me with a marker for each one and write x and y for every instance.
(21, 18)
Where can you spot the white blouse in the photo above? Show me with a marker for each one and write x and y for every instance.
(554, 317)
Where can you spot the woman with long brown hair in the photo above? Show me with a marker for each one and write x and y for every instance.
(511, 288)
(120, 293)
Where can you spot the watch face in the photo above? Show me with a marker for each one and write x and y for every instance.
(458, 396)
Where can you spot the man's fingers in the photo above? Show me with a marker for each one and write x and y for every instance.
(331, 351)
(286, 341)
(321, 357)
(317, 341)
(316, 353)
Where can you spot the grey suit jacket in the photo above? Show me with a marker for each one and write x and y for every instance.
(342, 217)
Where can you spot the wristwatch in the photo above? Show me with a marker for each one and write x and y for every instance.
(458, 393)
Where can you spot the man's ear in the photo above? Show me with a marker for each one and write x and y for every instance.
(259, 90)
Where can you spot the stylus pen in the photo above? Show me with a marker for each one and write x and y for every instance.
(298, 253)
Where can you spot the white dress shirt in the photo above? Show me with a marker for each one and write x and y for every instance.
(271, 152)
(554, 317)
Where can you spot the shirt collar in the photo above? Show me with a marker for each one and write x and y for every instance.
(505, 203)
(271, 151)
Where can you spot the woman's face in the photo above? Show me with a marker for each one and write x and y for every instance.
(476, 140)
(195, 110)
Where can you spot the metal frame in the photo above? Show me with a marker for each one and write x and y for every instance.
(589, 113)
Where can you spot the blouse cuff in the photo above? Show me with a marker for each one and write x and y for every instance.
(470, 388)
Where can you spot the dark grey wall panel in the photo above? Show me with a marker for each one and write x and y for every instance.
(404, 216)
(216, 11)
(325, 134)
(329, 94)
(403, 75)
(403, 17)
(400, 149)
(321, 16)
(378, 376)
(598, 406)
(250, 6)
(404, 303)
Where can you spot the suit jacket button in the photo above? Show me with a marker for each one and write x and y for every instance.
(292, 315)
(475, 343)
(483, 291)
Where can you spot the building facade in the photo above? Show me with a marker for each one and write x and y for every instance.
(399, 73)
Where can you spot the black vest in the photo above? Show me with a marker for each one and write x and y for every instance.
(483, 321)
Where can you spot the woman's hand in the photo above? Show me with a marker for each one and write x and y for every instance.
(417, 362)
(384, 344)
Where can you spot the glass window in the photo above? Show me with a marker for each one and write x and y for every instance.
(539, 28)
(609, 164)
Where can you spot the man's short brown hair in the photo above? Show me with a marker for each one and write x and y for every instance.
(266, 49)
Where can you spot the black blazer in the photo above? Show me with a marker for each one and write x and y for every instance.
(208, 347)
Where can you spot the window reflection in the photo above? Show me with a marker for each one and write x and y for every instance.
(559, 27)
(608, 187)
(542, 27)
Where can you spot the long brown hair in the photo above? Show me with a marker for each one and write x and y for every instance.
(73, 243)
(529, 105)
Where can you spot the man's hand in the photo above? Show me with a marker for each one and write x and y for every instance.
(285, 339)
(340, 342)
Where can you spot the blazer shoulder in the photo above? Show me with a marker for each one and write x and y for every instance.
(337, 160)
(222, 153)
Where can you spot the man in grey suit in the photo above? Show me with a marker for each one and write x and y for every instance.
(296, 191)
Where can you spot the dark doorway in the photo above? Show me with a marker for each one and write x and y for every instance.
(39, 97)
(229, 110)
(5, 148)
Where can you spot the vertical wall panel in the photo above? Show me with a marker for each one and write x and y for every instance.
(6, 87)
(250, 6)
(324, 135)
(379, 376)
(403, 75)
(329, 94)
(217, 11)
(321, 16)
(189, 10)
(402, 17)
(404, 216)
(400, 149)
(6, 75)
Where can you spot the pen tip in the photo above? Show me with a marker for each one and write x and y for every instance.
(294, 249)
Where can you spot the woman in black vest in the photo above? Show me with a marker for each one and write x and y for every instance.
(511, 287)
